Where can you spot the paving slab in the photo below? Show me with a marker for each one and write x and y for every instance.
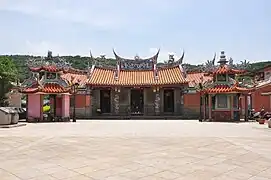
(136, 149)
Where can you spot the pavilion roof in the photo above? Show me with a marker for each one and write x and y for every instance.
(48, 88)
(195, 78)
(226, 69)
(49, 68)
(222, 89)
(165, 76)
(75, 77)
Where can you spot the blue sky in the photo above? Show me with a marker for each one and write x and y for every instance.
(201, 28)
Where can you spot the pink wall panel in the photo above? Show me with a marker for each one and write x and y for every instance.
(65, 105)
(34, 106)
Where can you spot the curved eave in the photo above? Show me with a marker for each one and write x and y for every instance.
(45, 68)
(227, 90)
(130, 78)
(29, 90)
(263, 84)
(137, 85)
(49, 88)
(154, 58)
(230, 72)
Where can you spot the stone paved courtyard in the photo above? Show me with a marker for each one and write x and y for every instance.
(145, 150)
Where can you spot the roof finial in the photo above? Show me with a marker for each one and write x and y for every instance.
(91, 59)
(137, 57)
(223, 59)
(181, 58)
(50, 55)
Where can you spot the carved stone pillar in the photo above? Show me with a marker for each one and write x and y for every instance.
(157, 103)
(117, 101)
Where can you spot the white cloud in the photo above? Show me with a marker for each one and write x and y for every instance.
(40, 48)
(101, 14)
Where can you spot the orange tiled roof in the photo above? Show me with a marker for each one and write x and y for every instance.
(226, 89)
(102, 76)
(195, 78)
(74, 71)
(78, 78)
(225, 69)
(45, 68)
(136, 78)
(172, 75)
(49, 88)
(167, 76)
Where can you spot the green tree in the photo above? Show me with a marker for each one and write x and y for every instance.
(8, 74)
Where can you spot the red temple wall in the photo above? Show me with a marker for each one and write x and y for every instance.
(192, 101)
(82, 101)
(259, 101)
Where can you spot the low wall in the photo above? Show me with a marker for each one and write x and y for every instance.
(186, 113)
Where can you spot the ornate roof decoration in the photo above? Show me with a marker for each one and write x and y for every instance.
(222, 61)
(209, 66)
(223, 67)
(101, 62)
(231, 65)
(244, 65)
(53, 79)
(48, 63)
(227, 85)
(171, 61)
(137, 63)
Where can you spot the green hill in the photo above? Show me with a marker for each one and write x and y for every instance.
(81, 63)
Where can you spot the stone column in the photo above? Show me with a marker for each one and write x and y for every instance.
(162, 101)
(116, 100)
(145, 102)
(95, 101)
(157, 103)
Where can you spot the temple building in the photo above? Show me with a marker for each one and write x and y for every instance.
(138, 87)
(222, 97)
(45, 81)
(262, 79)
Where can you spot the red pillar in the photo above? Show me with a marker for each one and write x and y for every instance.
(41, 107)
(204, 107)
(231, 107)
(210, 106)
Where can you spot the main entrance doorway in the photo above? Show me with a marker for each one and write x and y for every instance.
(169, 101)
(105, 101)
(137, 101)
